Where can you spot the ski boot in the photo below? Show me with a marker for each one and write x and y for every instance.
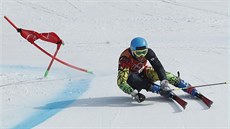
(186, 87)
(155, 88)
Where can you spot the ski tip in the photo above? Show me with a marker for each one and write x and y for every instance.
(207, 101)
(210, 104)
(185, 105)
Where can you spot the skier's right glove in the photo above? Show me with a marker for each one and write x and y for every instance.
(138, 96)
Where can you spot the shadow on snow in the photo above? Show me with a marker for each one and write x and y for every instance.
(112, 101)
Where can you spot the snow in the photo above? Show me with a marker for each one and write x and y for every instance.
(187, 36)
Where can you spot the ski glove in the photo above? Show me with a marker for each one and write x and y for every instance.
(138, 96)
(165, 89)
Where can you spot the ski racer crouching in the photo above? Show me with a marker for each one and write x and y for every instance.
(134, 75)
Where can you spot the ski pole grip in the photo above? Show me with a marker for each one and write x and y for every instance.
(11, 22)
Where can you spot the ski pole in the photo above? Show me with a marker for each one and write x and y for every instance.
(204, 85)
(212, 84)
(51, 62)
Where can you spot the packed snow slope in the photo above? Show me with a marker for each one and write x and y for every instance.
(190, 36)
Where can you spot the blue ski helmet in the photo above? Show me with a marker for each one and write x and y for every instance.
(138, 43)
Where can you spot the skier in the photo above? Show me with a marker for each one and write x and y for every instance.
(134, 75)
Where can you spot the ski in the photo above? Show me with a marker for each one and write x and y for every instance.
(180, 101)
(207, 101)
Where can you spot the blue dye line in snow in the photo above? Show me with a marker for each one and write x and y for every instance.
(73, 90)
(67, 97)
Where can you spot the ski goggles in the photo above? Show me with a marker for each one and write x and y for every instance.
(140, 53)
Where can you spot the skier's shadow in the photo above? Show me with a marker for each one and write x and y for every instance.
(113, 101)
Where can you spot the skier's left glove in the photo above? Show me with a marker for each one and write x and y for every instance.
(138, 96)
(165, 89)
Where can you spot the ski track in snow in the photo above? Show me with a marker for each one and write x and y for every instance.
(44, 9)
(195, 8)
